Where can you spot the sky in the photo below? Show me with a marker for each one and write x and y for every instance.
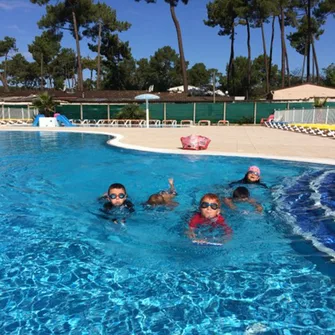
(152, 28)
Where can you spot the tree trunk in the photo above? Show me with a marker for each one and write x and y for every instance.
(271, 48)
(265, 59)
(249, 58)
(303, 64)
(316, 62)
(287, 67)
(5, 67)
(231, 71)
(181, 49)
(3, 76)
(313, 70)
(233, 59)
(80, 72)
(99, 56)
(4, 81)
(282, 35)
(42, 81)
(309, 40)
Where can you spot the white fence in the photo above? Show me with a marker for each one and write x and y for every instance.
(18, 112)
(315, 115)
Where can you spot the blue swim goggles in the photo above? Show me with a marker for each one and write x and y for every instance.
(212, 205)
(114, 196)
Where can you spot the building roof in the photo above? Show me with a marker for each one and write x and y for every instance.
(302, 92)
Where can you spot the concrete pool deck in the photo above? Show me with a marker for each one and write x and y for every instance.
(249, 141)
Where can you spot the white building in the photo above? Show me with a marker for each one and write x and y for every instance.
(306, 92)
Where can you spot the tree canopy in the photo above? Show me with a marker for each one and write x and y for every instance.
(112, 66)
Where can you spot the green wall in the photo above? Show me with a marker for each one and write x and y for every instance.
(236, 112)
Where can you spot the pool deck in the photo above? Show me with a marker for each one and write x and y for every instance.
(247, 141)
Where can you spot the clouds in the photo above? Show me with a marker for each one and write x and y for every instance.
(14, 4)
(15, 28)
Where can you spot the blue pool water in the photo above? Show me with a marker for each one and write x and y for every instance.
(65, 269)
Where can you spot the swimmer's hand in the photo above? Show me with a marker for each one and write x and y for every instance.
(191, 234)
(259, 208)
(103, 196)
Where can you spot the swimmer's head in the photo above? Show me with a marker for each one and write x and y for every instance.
(254, 174)
(210, 206)
(156, 199)
(117, 194)
(241, 193)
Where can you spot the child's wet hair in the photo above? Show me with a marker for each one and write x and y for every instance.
(156, 199)
(117, 186)
(212, 197)
(241, 193)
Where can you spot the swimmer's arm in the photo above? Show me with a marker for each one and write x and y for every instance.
(259, 207)
(229, 202)
(228, 233)
(172, 189)
(172, 204)
(103, 196)
(191, 233)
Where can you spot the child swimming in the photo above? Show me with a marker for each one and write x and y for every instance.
(117, 202)
(208, 215)
(164, 197)
(253, 176)
(241, 194)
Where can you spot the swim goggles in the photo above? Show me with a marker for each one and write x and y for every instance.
(212, 205)
(254, 173)
(114, 196)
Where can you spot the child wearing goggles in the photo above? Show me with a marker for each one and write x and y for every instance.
(209, 214)
(117, 202)
(241, 194)
(253, 176)
(164, 197)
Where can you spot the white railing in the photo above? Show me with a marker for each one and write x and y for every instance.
(315, 115)
(8, 113)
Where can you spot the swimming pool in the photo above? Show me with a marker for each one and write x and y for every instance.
(67, 270)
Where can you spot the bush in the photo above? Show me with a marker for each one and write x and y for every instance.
(245, 120)
(45, 104)
(320, 102)
(132, 111)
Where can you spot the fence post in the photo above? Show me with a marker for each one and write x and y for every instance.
(22, 113)
(255, 111)
(108, 112)
(225, 111)
(164, 111)
(288, 105)
(313, 115)
(3, 110)
(327, 112)
(81, 112)
(8, 112)
(194, 112)
(302, 115)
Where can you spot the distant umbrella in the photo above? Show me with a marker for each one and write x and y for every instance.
(147, 97)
